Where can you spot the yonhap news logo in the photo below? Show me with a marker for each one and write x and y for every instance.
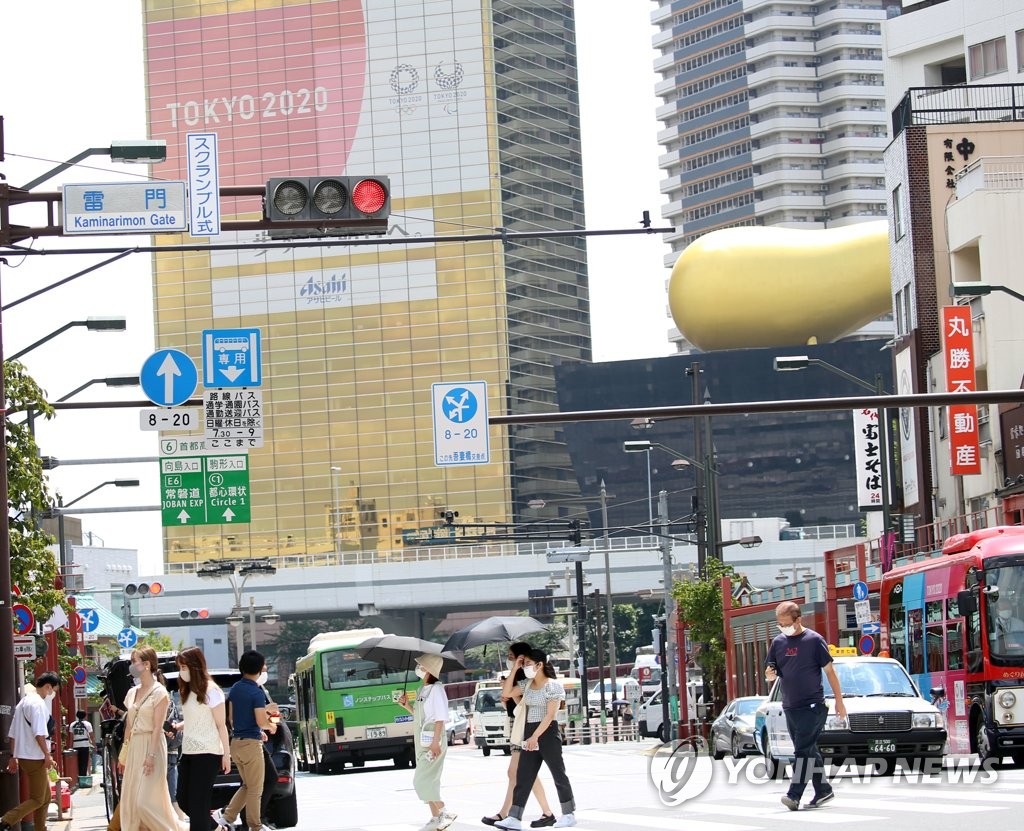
(681, 771)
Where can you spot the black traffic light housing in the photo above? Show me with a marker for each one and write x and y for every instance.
(194, 614)
(143, 589)
(542, 605)
(327, 206)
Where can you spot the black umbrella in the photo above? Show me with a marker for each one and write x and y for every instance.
(492, 630)
(399, 652)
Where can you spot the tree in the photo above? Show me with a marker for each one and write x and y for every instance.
(291, 642)
(700, 607)
(34, 568)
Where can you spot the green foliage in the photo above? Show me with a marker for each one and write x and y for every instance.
(700, 605)
(292, 641)
(491, 657)
(33, 565)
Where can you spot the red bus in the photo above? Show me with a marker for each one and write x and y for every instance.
(956, 622)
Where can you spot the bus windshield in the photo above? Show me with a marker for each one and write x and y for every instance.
(1004, 605)
(344, 668)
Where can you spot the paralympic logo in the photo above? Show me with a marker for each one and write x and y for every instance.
(681, 771)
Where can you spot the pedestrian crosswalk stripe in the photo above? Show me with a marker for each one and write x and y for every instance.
(824, 815)
(679, 818)
(922, 807)
(977, 794)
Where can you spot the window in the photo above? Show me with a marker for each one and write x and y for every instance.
(1020, 50)
(987, 58)
(897, 212)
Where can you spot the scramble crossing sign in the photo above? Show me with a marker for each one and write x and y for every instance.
(204, 490)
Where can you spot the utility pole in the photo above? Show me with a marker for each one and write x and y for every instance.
(600, 661)
(669, 668)
(581, 645)
(612, 656)
(701, 514)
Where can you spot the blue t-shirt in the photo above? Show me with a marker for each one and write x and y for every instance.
(246, 697)
(799, 660)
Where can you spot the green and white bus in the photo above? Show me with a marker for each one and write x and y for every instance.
(346, 708)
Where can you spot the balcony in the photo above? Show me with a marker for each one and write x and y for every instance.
(771, 22)
(780, 150)
(853, 117)
(789, 201)
(786, 176)
(959, 105)
(800, 49)
(993, 173)
(785, 123)
(784, 98)
(780, 73)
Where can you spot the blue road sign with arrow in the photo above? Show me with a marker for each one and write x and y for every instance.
(127, 638)
(871, 628)
(169, 377)
(90, 619)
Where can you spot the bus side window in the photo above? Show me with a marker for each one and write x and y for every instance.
(955, 645)
(975, 660)
(897, 634)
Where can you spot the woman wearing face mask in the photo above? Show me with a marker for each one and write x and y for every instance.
(430, 714)
(512, 695)
(542, 697)
(204, 740)
(145, 802)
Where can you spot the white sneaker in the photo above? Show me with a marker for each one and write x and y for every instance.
(509, 824)
(446, 819)
(565, 821)
(431, 825)
(219, 818)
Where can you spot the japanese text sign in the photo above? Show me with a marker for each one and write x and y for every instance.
(958, 355)
(203, 184)
(867, 441)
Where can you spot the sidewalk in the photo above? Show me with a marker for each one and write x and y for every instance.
(88, 812)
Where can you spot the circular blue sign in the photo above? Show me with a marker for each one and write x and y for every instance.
(78, 674)
(459, 405)
(860, 590)
(90, 619)
(169, 377)
(127, 638)
(867, 644)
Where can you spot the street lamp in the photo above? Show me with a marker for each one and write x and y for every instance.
(798, 362)
(644, 447)
(116, 381)
(973, 288)
(93, 324)
(232, 570)
(61, 543)
(134, 151)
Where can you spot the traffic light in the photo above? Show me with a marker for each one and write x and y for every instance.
(194, 614)
(143, 589)
(327, 206)
(542, 605)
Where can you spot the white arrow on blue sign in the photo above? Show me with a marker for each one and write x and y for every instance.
(169, 377)
(231, 358)
(127, 638)
(860, 590)
(90, 619)
(871, 628)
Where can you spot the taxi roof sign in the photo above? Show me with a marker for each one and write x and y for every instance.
(839, 651)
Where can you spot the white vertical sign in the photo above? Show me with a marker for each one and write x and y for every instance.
(908, 431)
(867, 444)
(203, 184)
(460, 424)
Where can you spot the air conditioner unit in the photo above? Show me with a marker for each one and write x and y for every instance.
(880, 183)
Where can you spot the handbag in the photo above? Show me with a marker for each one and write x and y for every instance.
(427, 737)
(518, 725)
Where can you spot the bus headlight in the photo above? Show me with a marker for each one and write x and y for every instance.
(1007, 700)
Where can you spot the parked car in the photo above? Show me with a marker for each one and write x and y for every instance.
(888, 719)
(282, 811)
(733, 731)
(648, 716)
(457, 726)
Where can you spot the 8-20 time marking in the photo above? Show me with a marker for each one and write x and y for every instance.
(468, 433)
(180, 419)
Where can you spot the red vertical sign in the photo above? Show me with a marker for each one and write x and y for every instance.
(958, 354)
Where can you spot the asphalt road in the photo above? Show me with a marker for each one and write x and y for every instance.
(614, 790)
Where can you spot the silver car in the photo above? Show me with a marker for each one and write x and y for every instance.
(733, 731)
(457, 727)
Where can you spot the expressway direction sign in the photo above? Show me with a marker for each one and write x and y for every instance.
(204, 490)
(125, 208)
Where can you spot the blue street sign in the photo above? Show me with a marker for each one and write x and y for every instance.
(860, 590)
(169, 377)
(231, 358)
(78, 675)
(871, 628)
(461, 431)
(867, 645)
(90, 619)
(127, 638)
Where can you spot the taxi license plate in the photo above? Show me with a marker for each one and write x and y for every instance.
(881, 746)
(376, 732)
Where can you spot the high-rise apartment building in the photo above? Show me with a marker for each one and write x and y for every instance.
(774, 114)
(471, 110)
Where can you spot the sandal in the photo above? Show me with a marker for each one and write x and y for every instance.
(492, 820)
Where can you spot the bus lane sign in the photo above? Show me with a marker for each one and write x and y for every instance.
(205, 490)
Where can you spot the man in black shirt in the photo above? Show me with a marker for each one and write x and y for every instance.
(798, 656)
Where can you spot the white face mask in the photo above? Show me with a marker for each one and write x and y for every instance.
(261, 679)
(509, 663)
(49, 697)
(788, 630)
(531, 671)
(420, 672)
(184, 675)
(136, 670)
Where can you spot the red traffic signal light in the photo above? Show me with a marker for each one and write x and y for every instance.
(143, 589)
(327, 206)
(194, 614)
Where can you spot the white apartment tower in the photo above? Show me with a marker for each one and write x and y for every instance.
(774, 113)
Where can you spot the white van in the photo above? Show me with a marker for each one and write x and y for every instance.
(491, 727)
(612, 692)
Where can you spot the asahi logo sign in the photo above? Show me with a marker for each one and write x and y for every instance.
(329, 289)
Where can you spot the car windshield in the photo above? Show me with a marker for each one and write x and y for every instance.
(748, 707)
(488, 701)
(1004, 611)
(870, 678)
(344, 668)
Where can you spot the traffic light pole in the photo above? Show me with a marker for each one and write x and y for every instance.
(581, 644)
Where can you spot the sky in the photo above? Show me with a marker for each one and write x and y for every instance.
(72, 78)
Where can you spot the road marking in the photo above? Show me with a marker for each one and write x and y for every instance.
(771, 812)
(672, 822)
(980, 795)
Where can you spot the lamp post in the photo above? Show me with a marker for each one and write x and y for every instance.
(644, 447)
(798, 362)
(267, 615)
(93, 324)
(973, 288)
(63, 558)
(134, 151)
(233, 570)
(115, 381)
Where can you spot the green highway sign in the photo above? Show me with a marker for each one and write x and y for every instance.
(205, 490)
